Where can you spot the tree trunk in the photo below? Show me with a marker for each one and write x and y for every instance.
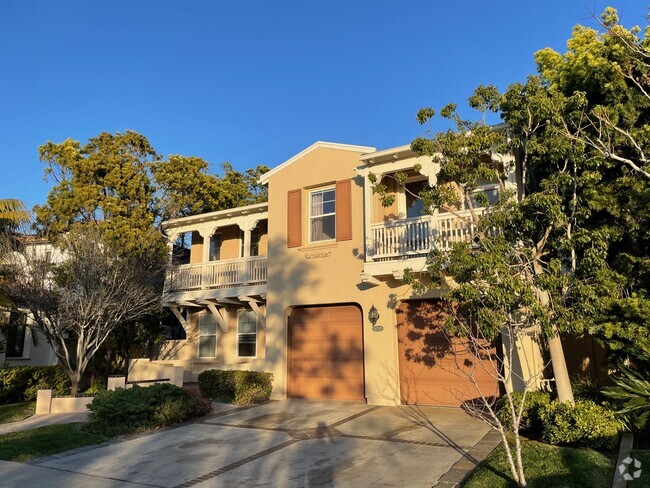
(74, 384)
(554, 343)
(560, 371)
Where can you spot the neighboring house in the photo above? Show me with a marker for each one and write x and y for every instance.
(289, 286)
(23, 345)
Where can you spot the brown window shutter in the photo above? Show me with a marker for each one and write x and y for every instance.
(294, 218)
(344, 210)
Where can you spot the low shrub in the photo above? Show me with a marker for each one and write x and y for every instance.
(583, 424)
(241, 387)
(21, 383)
(140, 408)
(530, 421)
(217, 384)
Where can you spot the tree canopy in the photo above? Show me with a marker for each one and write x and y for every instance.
(120, 183)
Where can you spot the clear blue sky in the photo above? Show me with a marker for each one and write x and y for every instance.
(255, 82)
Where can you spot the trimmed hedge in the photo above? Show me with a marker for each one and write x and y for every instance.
(21, 383)
(142, 408)
(240, 387)
(584, 424)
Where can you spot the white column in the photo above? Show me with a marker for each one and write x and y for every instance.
(368, 209)
(247, 226)
(169, 276)
(206, 234)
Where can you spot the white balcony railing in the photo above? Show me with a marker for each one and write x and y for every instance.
(417, 236)
(228, 273)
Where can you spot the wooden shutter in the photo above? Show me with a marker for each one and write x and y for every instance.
(344, 210)
(294, 218)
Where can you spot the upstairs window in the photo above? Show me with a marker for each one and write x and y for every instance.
(215, 247)
(414, 204)
(246, 334)
(15, 334)
(322, 215)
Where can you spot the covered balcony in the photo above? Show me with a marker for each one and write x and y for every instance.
(217, 251)
(416, 236)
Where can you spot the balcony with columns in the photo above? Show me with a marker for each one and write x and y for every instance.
(403, 234)
(217, 254)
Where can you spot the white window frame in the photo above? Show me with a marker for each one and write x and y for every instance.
(202, 316)
(481, 188)
(311, 217)
(401, 193)
(239, 313)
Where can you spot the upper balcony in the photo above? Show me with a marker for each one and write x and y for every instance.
(416, 236)
(218, 253)
(403, 234)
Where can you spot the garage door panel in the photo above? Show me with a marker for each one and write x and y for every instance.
(304, 333)
(326, 353)
(342, 390)
(435, 369)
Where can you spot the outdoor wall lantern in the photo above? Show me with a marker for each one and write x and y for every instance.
(373, 316)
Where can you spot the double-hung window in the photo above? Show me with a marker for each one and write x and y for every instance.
(207, 336)
(215, 247)
(246, 334)
(15, 334)
(322, 215)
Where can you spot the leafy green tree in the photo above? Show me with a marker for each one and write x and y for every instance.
(107, 183)
(609, 72)
(186, 188)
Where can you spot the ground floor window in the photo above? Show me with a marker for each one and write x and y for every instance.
(15, 334)
(171, 328)
(207, 336)
(246, 334)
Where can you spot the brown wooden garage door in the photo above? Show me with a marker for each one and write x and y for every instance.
(433, 367)
(326, 353)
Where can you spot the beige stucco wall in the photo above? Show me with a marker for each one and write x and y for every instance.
(185, 352)
(381, 213)
(316, 274)
(196, 251)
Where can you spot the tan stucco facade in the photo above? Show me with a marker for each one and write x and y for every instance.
(311, 274)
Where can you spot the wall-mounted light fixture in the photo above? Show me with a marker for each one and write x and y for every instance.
(373, 317)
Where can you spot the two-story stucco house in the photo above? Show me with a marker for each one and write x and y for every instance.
(288, 286)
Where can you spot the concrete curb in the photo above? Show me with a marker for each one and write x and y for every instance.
(623, 452)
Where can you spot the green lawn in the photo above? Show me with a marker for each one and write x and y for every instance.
(644, 480)
(547, 466)
(28, 444)
(16, 411)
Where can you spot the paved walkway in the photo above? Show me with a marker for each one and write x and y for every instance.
(292, 443)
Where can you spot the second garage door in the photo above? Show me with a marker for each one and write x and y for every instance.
(325, 353)
(433, 367)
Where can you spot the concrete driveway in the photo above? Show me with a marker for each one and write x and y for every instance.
(291, 443)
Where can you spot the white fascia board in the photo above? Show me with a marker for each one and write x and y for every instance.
(260, 209)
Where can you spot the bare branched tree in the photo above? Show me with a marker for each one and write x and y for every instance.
(476, 343)
(78, 302)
